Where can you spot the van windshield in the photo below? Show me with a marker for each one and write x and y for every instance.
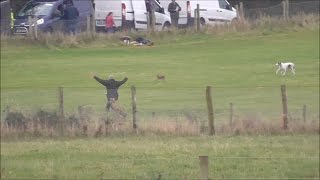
(36, 9)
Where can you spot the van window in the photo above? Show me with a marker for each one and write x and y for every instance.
(224, 5)
(36, 9)
(83, 6)
(155, 6)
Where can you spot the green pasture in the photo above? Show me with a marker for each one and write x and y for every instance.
(240, 68)
(142, 157)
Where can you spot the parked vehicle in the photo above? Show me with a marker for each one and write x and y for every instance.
(130, 14)
(49, 15)
(211, 11)
(5, 17)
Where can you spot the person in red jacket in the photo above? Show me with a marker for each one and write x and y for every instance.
(110, 23)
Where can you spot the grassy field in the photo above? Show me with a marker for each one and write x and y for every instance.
(240, 67)
(233, 157)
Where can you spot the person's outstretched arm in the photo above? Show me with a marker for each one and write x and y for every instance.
(122, 82)
(102, 81)
(179, 7)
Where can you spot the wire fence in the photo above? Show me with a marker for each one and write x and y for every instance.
(295, 8)
(262, 103)
(181, 111)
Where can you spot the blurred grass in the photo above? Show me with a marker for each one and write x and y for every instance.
(242, 157)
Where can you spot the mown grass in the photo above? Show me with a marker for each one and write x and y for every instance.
(237, 61)
(239, 66)
(243, 157)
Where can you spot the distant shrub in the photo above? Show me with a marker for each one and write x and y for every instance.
(16, 120)
(47, 119)
(18, 124)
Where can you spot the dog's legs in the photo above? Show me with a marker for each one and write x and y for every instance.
(292, 70)
(284, 72)
(278, 70)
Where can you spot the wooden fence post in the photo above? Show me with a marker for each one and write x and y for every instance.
(195, 19)
(204, 167)
(210, 111)
(35, 28)
(284, 107)
(238, 11)
(88, 25)
(287, 9)
(134, 108)
(231, 114)
(304, 113)
(284, 9)
(148, 21)
(61, 110)
(241, 11)
(30, 31)
(153, 19)
(198, 17)
(93, 21)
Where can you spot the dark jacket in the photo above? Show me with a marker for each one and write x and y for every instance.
(71, 13)
(172, 9)
(112, 86)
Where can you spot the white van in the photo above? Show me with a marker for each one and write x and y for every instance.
(211, 11)
(130, 14)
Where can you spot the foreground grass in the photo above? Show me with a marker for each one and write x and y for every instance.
(141, 157)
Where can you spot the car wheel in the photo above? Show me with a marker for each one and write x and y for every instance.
(202, 22)
(234, 20)
(49, 30)
(166, 26)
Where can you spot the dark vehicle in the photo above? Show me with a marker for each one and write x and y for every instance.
(49, 15)
(5, 17)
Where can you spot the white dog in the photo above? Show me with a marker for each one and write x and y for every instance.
(284, 66)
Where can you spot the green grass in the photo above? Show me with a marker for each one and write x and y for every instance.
(240, 67)
(173, 157)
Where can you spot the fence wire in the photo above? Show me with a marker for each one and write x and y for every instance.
(258, 103)
(295, 8)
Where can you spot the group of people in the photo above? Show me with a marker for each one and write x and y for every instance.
(173, 8)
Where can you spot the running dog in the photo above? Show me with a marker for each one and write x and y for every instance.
(282, 67)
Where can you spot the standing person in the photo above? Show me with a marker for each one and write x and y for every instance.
(112, 87)
(110, 25)
(174, 10)
(70, 15)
